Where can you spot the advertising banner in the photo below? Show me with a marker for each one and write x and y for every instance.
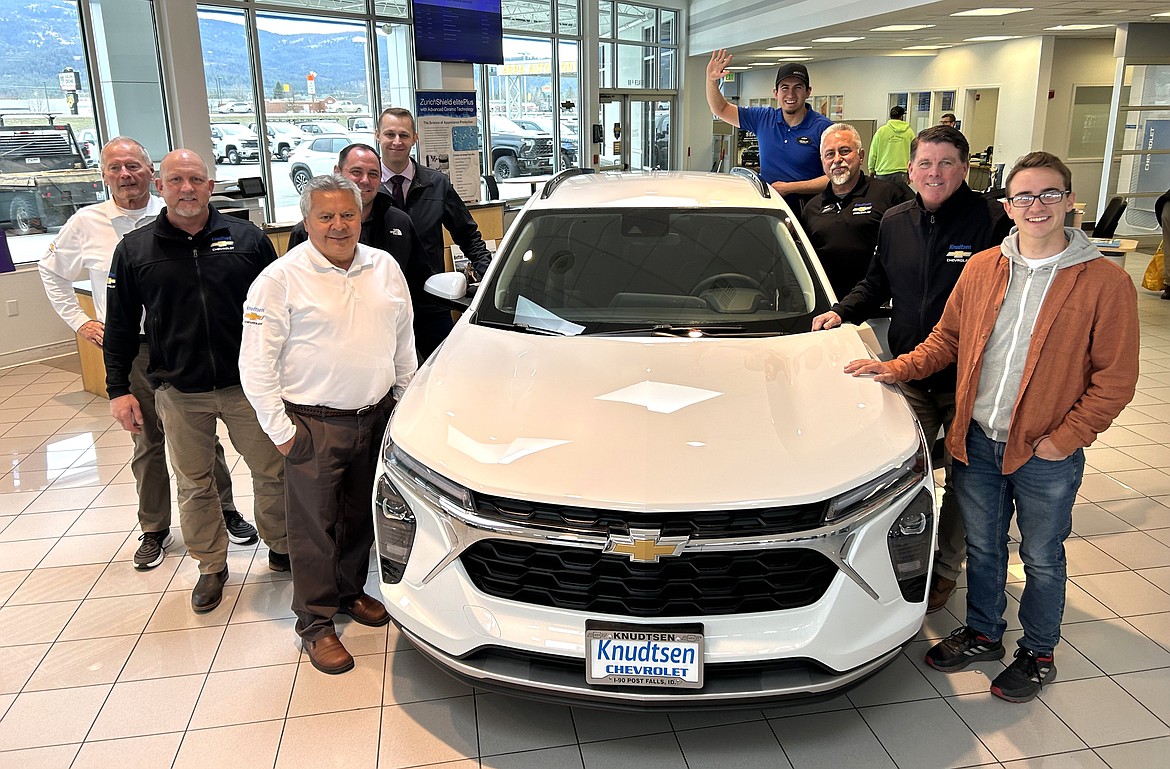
(448, 138)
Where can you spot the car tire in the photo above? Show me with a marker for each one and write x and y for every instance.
(284, 152)
(300, 177)
(506, 167)
(26, 220)
(233, 156)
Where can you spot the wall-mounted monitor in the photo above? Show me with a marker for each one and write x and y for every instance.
(459, 30)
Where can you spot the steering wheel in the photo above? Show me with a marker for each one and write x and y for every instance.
(729, 279)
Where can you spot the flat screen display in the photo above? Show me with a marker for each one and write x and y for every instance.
(459, 30)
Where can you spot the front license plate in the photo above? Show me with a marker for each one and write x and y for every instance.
(637, 655)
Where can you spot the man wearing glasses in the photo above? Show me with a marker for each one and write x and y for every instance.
(1045, 334)
(923, 246)
(789, 136)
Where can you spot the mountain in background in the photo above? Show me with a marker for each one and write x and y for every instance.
(39, 39)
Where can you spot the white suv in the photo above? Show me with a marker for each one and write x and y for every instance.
(234, 143)
(632, 477)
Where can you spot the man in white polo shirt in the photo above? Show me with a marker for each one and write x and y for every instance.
(328, 347)
(83, 249)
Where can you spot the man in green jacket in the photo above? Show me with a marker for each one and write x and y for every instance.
(889, 152)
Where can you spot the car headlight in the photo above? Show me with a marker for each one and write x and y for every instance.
(394, 522)
(878, 492)
(526, 146)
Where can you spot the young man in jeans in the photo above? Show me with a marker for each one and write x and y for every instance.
(1045, 334)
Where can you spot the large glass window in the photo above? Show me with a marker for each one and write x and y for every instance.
(638, 47)
(50, 132)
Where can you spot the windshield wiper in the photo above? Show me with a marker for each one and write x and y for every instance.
(667, 329)
(523, 328)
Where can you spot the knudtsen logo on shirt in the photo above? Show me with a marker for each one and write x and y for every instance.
(222, 245)
(862, 208)
(253, 315)
(804, 140)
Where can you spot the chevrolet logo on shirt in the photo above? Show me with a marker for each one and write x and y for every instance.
(645, 545)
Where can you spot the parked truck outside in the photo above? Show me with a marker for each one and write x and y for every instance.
(43, 177)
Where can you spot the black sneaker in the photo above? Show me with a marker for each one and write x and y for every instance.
(1024, 678)
(961, 648)
(278, 561)
(239, 531)
(150, 553)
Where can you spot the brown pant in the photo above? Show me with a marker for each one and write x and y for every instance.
(190, 421)
(935, 411)
(152, 476)
(329, 485)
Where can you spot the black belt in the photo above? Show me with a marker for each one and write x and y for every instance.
(326, 412)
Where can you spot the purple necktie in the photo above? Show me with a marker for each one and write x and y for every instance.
(396, 191)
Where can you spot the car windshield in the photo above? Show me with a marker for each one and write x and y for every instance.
(654, 271)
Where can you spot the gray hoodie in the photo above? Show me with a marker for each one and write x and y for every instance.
(1007, 348)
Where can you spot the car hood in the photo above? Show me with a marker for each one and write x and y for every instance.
(652, 423)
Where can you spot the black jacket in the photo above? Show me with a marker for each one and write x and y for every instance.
(844, 230)
(192, 288)
(392, 231)
(918, 261)
(434, 204)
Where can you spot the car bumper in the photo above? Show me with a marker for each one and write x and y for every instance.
(857, 626)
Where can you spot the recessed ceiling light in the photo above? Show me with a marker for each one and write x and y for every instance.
(901, 27)
(761, 64)
(788, 48)
(990, 11)
(989, 38)
(735, 68)
(928, 47)
(837, 39)
(1075, 27)
(795, 58)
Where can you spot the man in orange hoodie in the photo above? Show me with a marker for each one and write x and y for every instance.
(1045, 334)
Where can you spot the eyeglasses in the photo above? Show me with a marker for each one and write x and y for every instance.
(1047, 197)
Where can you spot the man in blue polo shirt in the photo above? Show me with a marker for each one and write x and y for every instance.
(789, 136)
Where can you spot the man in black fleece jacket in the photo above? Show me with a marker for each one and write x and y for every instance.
(923, 245)
(190, 271)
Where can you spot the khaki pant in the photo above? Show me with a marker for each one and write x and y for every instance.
(190, 420)
(935, 411)
(152, 476)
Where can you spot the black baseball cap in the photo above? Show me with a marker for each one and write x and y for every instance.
(793, 69)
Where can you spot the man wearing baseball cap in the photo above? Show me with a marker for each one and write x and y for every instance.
(789, 136)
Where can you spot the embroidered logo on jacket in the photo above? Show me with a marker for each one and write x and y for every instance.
(862, 208)
(959, 253)
(253, 315)
(222, 245)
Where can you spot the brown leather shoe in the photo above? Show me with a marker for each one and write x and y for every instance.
(367, 610)
(940, 590)
(328, 655)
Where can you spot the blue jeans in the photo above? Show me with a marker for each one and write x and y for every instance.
(1041, 495)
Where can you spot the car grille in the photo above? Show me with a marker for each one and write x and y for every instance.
(543, 148)
(704, 524)
(250, 144)
(699, 584)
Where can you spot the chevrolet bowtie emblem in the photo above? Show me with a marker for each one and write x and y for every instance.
(645, 545)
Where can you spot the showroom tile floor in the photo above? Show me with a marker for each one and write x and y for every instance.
(107, 666)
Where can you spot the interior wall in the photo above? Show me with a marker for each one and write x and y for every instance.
(37, 331)
(1077, 62)
(981, 114)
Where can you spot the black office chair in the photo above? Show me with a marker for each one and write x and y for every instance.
(493, 189)
(1107, 224)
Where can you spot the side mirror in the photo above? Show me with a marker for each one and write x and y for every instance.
(450, 289)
